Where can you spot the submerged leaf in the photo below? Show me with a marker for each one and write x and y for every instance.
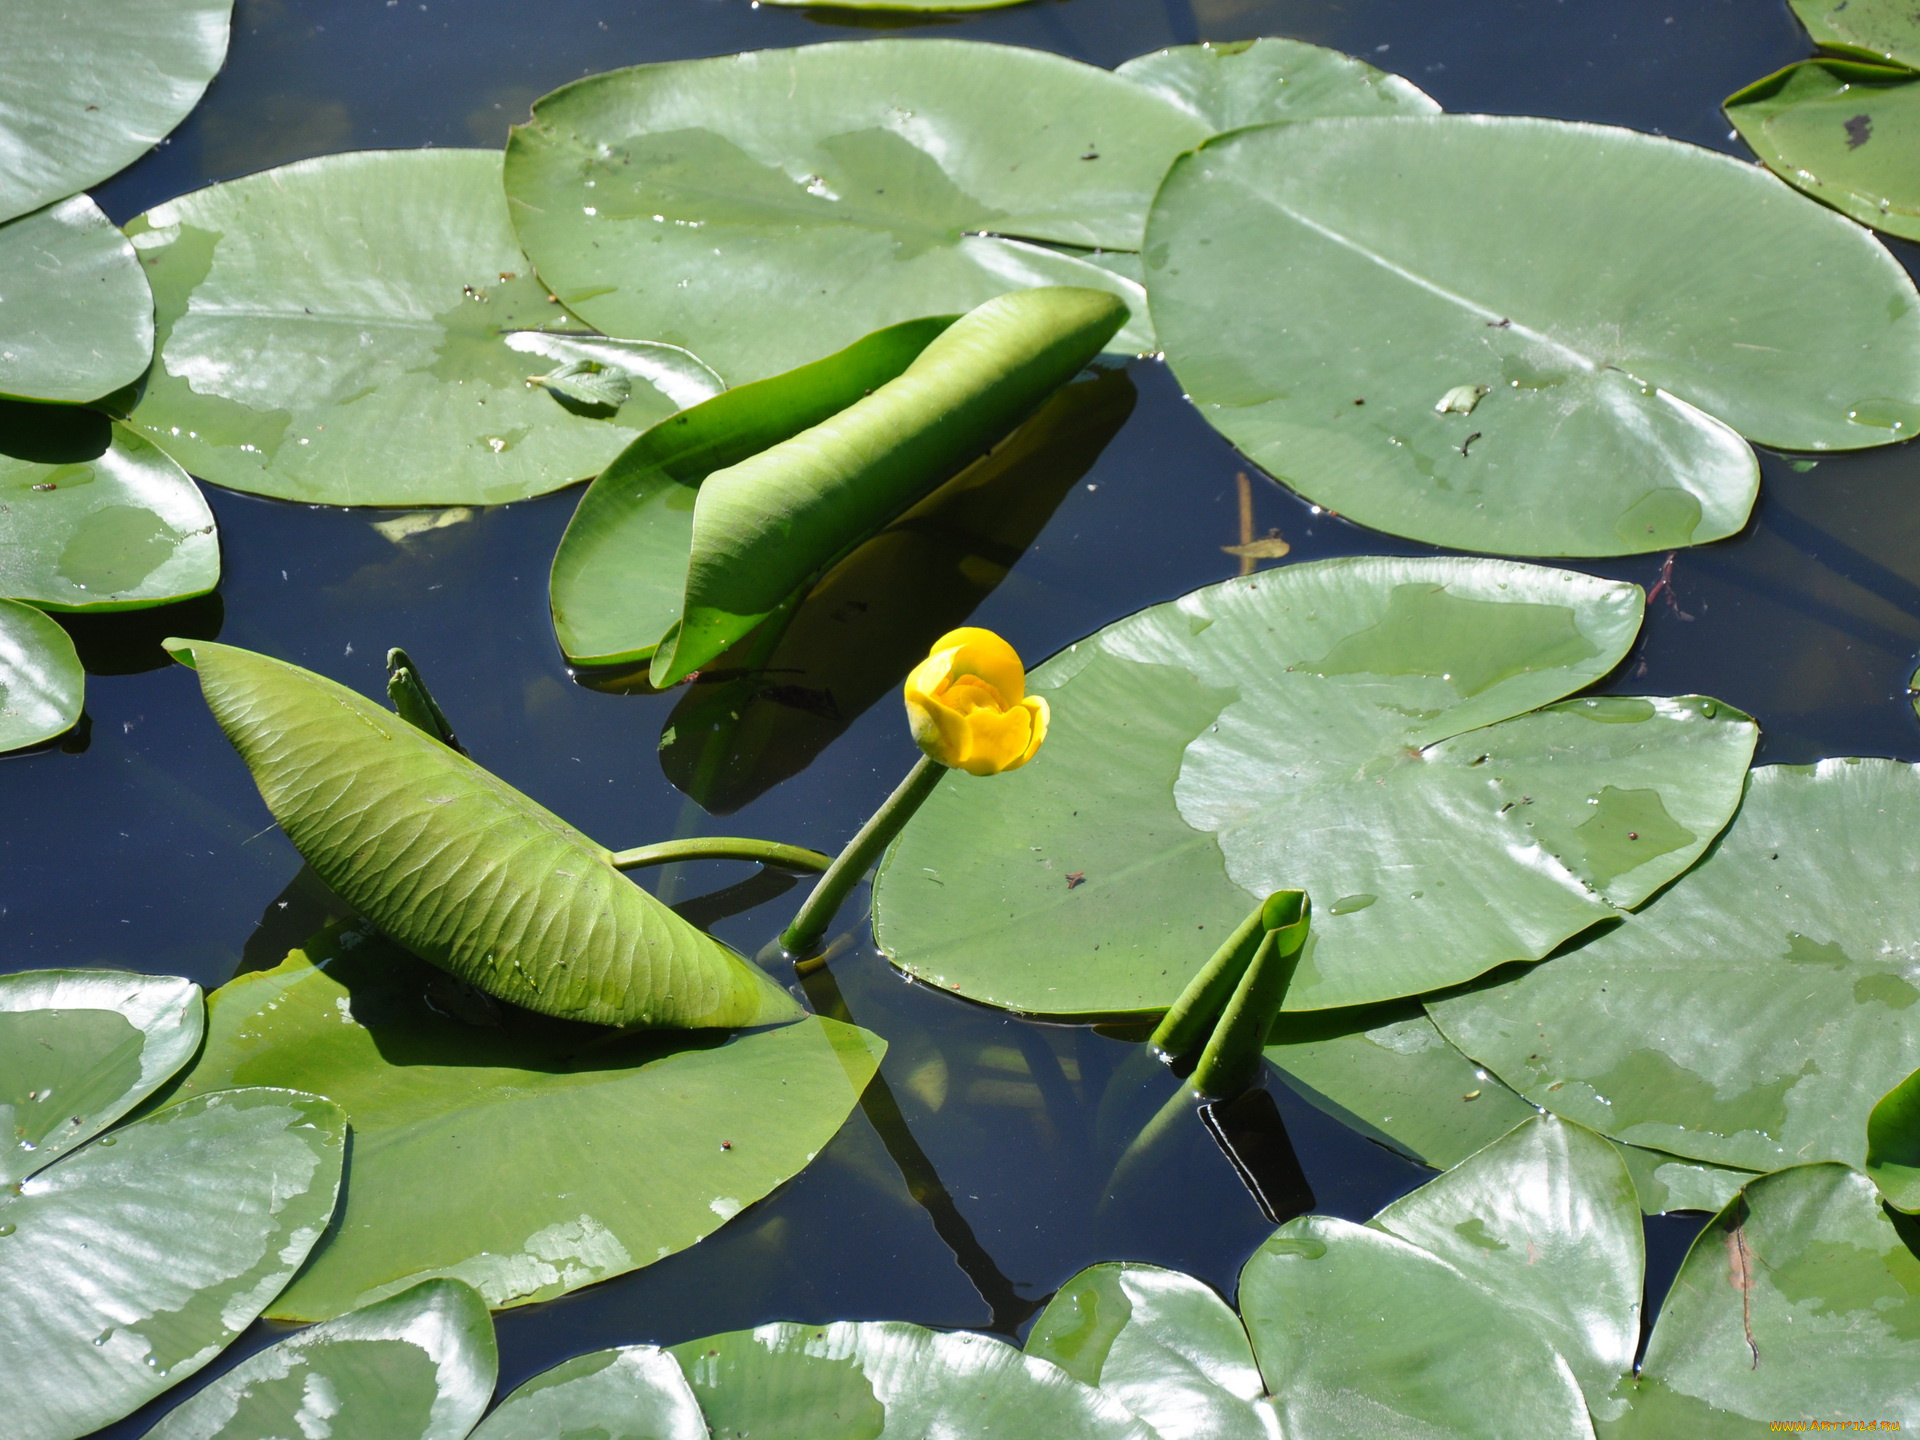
(1357, 728)
(461, 868)
(130, 1264)
(41, 682)
(419, 1366)
(767, 208)
(1251, 82)
(76, 317)
(523, 1155)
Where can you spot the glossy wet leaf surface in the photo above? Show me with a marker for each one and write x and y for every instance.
(463, 869)
(1335, 727)
(523, 1155)
(417, 1366)
(887, 1380)
(41, 682)
(1799, 1302)
(633, 1393)
(76, 317)
(769, 208)
(361, 330)
(1752, 1015)
(91, 90)
(1871, 29)
(1628, 303)
(120, 528)
(1846, 133)
(79, 1049)
(1228, 86)
(131, 1263)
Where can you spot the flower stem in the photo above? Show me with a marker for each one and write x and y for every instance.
(721, 847)
(852, 864)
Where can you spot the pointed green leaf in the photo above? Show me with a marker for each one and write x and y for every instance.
(767, 208)
(1800, 1302)
(121, 528)
(359, 330)
(419, 1366)
(463, 869)
(1546, 1221)
(76, 317)
(1846, 133)
(1871, 29)
(525, 1156)
(886, 1380)
(763, 527)
(1322, 287)
(1758, 1008)
(92, 90)
(79, 1049)
(633, 1393)
(131, 1263)
(41, 682)
(1356, 728)
(1361, 1334)
(1893, 1145)
(1252, 82)
(1161, 1343)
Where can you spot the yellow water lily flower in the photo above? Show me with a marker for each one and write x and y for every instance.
(968, 705)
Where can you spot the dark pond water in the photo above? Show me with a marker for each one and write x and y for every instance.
(150, 849)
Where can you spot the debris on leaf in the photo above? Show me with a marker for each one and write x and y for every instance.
(1460, 400)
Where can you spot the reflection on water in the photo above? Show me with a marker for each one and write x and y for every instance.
(151, 849)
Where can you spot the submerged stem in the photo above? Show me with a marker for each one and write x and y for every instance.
(721, 847)
(862, 851)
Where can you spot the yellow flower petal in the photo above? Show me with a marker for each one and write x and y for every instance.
(985, 654)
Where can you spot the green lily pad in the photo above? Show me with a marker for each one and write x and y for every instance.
(89, 92)
(886, 1380)
(1547, 1221)
(419, 1366)
(362, 330)
(118, 530)
(1666, 1183)
(1357, 728)
(131, 1263)
(525, 1156)
(1846, 133)
(79, 1049)
(1254, 82)
(1871, 29)
(1893, 1145)
(41, 682)
(463, 869)
(1164, 1345)
(1357, 1332)
(1403, 318)
(76, 317)
(1757, 1010)
(633, 1393)
(768, 208)
(1799, 1302)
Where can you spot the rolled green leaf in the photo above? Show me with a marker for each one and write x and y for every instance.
(1231, 1061)
(1893, 1145)
(1191, 1019)
(763, 527)
(414, 703)
(461, 868)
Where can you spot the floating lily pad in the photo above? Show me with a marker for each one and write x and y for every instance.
(419, 1366)
(91, 91)
(131, 1263)
(79, 1049)
(76, 317)
(1800, 1301)
(768, 208)
(463, 869)
(1757, 1010)
(1667, 1183)
(525, 1156)
(118, 530)
(1893, 1145)
(1871, 29)
(1323, 287)
(362, 330)
(886, 1380)
(633, 1393)
(1357, 728)
(1846, 133)
(41, 682)
(1254, 82)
